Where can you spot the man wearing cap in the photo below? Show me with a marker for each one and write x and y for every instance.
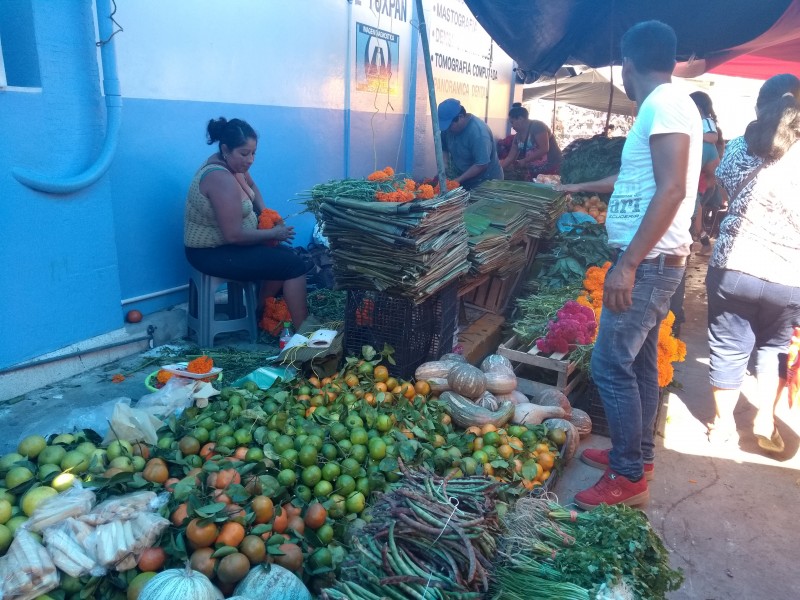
(469, 143)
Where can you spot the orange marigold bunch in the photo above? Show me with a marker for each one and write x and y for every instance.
(670, 348)
(451, 185)
(267, 220)
(425, 192)
(383, 175)
(163, 376)
(201, 364)
(409, 185)
(396, 196)
(276, 313)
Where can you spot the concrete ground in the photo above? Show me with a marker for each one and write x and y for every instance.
(726, 514)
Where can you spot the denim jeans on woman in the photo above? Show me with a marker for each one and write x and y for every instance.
(625, 367)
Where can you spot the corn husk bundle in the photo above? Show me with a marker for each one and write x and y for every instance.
(494, 229)
(542, 204)
(410, 249)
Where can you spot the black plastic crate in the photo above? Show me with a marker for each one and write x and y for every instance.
(417, 332)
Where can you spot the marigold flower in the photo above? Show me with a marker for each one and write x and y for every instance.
(163, 376)
(276, 313)
(378, 176)
(425, 191)
(201, 364)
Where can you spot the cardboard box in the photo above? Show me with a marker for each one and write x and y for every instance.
(481, 338)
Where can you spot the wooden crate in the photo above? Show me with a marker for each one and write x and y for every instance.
(492, 293)
(568, 376)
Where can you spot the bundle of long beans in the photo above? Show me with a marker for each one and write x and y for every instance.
(432, 538)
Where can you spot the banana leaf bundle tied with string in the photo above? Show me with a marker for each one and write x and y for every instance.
(409, 248)
(542, 203)
(496, 230)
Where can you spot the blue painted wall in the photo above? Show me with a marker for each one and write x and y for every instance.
(70, 261)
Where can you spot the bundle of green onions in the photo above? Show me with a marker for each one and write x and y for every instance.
(552, 552)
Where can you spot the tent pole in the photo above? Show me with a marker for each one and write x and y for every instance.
(610, 99)
(437, 133)
(555, 99)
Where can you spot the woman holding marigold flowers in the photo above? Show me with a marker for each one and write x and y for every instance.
(229, 232)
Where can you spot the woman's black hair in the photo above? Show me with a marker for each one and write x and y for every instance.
(777, 125)
(704, 104)
(233, 133)
(517, 111)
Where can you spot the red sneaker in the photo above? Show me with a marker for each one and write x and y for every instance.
(613, 488)
(599, 459)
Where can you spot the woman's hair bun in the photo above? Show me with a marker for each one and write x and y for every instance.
(215, 129)
(516, 105)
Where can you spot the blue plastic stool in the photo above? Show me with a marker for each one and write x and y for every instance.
(239, 310)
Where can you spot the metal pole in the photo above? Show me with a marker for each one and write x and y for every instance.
(437, 133)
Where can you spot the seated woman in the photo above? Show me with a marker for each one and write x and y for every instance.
(534, 151)
(221, 235)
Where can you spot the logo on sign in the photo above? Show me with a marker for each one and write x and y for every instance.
(377, 60)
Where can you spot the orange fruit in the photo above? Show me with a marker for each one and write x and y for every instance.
(232, 534)
(207, 450)
(222, 479)
(169, 484)
(179, 515)
(234, 512)
(221, 496)
(369, 398)
(478, 443)
(292, 558)
(407, 390)
(445, 419)
(240, 453)
(381, 387)
(291, 510)
(423, 388)
(505, 451)
(189, 445)
(281, 522)
(263, 508)
(316, 515)
(297, 524)
(392, 383)
(152, 559)
(474, 429)
(254, 549)
(351, 380)
(141, 449)
(201, 561)
(315, 382)
(233, 568)
(310, 411)
(542, 448)
(155, 471)
(380, 373)
(201, 536)
(546, 460)
(487, 428)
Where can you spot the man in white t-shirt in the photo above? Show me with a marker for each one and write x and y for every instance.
(648, 222)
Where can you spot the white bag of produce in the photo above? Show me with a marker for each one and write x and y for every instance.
(68, 545)
(74, 502)
(26, 571)
(133, 425)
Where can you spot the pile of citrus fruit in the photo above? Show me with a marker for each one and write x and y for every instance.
(280, 475)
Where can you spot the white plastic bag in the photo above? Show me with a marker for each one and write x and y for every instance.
(74, 502)
(26, 571)
(133, 425)
(174, 397)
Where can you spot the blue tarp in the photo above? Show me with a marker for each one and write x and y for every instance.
(543, 35)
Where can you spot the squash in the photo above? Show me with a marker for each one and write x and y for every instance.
(582, 422)
(533, 414)
(570, 446)
(453, 357)
(501, 381)
(553, 397)
(466, 414)
(467, 380)
(438, 384)
(272, 582)
(493, 361)
(435, 369)
(488, 401)
(180, 583)
(516, 397)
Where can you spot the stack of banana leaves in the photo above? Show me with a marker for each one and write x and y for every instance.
(495, 228)
(411, 249)
(543, 204)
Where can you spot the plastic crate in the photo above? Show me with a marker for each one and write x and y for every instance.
(593, 405)
(417, 332)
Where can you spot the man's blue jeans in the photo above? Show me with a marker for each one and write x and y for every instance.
(625, 367)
